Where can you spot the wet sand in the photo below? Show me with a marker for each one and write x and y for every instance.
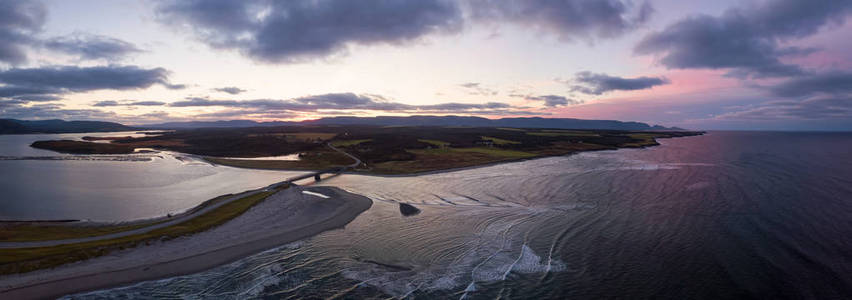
(285, 217)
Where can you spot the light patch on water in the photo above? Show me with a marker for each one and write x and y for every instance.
(251, 283)
(315, 194)
(288, 157)
(495, 259)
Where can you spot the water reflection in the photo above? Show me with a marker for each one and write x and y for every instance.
(111, 187)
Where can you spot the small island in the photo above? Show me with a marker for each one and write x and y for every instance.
(81, 147)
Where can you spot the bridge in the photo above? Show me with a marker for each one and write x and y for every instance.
(317, 174)
(184, 217)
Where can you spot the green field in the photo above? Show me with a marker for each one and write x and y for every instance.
(497, 141)
(347, 143)
(435, 142)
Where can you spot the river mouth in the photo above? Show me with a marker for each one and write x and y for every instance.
(687, 219)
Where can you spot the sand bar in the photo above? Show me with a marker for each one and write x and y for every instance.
(284, 217)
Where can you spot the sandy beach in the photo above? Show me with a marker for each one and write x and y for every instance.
(286, 216)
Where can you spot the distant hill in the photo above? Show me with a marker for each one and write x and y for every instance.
(563, 123)
(217, 124)
(13, 126)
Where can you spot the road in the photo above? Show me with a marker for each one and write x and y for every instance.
(357, 161)
(176, 220)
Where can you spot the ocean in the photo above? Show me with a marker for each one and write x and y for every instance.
(724, 215)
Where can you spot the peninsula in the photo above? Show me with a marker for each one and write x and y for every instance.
(383, 149)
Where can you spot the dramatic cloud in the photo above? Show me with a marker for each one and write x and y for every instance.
(106, 103)
(19, 21)
(298, 30)
(474, 88)
(350, 102)
(745, 39)
(554, 100)
(91, 47)
(599, 83)
(827, 83)
(567, 18)
(288, 31)
(52, 111)
(230, 90)
(70, 79)
(26, 91)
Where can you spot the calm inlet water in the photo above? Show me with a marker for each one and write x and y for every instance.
(45, 185)
(725, 215)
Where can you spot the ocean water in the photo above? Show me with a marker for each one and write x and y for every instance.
(720, 216)
(39, 184)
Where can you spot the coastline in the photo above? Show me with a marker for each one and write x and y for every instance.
(261, 228)
(448, 170)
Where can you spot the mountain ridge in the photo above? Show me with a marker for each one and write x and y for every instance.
(531, 122)
(13, 126)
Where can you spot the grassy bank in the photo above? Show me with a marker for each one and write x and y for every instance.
(21, 260)
(50, 231)
(308, 161)
(391, 149)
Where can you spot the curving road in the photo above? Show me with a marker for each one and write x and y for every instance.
(175, 221)
(357, 161)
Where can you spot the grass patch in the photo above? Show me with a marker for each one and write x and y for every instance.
(645, 139)
(511, 129)
(29, 232)
(448, 158)
(309, 136)
(497, 141)
(562, 133)
(347, 143)
(572, 132)
(496, 152)
(435, 143)
(78, 147)
(28, 259)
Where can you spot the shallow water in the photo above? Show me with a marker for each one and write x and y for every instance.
(45, 185)
(725, 215)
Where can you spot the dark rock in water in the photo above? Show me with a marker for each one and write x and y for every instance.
(408, 209)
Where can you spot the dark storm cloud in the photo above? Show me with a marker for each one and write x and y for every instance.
(291, 31)
(69, 79)
(88, 46)
(599, 83)
(554, 100)
(747, 39)
(106, 103)
(36, 98)
(350, 102)
(20, 91)
(835, 82)
(19, 20)
(230, 90)
(52, 111)
(568, 18)
(287, 31)
(307, 103)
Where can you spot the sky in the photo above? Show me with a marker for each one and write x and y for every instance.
(712, 65)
